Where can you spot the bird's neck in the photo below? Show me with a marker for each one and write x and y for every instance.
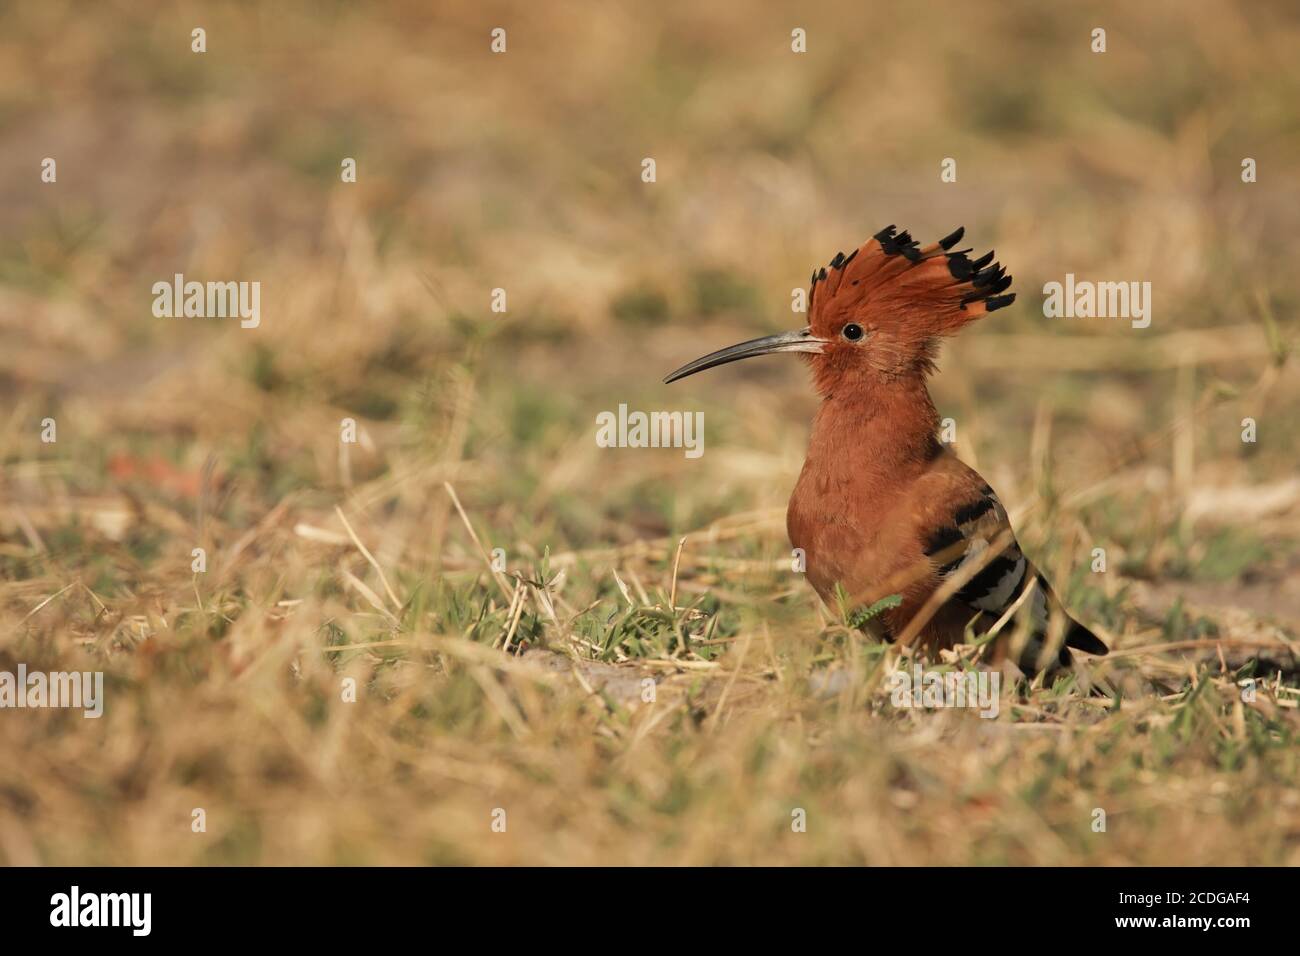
(879, 429)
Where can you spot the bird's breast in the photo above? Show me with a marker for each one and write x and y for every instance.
(834, 519)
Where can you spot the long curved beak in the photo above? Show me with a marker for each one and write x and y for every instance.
(801, 341)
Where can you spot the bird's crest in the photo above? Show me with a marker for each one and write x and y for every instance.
(916, 293)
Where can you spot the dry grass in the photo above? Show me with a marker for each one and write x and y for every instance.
(522, 690)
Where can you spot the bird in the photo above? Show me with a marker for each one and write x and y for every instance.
(886, 516)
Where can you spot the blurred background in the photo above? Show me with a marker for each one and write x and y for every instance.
(522, 171)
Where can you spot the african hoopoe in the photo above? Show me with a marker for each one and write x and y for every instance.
(881, 506)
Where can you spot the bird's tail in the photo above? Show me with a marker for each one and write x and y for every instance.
(1082, 639)
(1077, 637)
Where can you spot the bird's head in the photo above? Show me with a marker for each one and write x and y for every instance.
(877, 313)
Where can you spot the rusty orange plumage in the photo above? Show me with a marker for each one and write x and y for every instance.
(881, 507)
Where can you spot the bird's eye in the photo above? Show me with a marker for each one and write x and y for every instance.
(852, 331)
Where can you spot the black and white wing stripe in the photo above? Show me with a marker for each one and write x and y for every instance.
(965, 540)
(1000, 582)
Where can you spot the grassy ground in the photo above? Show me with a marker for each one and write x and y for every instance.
(522, 691)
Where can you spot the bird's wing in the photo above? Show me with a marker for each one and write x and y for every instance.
(969, 530)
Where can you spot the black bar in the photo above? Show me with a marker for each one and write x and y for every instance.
(380, 906)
